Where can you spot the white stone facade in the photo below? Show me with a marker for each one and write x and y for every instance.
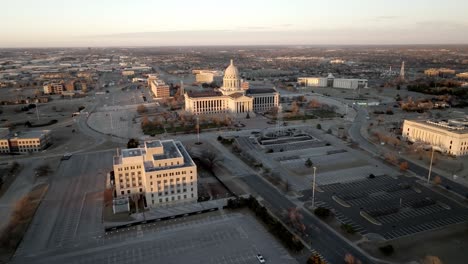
(231, 98)
(450, 137)
(162, 172)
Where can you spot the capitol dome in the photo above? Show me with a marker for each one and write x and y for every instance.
(231, 80)
(231, 72)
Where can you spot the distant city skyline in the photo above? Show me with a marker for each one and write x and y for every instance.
(86, 23)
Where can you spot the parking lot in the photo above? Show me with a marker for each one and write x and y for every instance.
(217, 237)
(400, 205)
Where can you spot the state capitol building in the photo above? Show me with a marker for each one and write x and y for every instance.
(231, 97)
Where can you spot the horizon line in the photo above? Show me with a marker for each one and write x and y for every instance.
(238, 45)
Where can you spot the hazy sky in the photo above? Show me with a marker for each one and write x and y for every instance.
(42, 23)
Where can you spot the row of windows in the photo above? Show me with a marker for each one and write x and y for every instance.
(28, 146)
(129, 168)
(167, 187)
(165, 164)
(171, 192)
(27, 150)
(170, 174)
(132, 173)
(173, 198)
(28, 141)
(129, 191)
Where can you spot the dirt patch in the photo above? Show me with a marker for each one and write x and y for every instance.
(22, 215)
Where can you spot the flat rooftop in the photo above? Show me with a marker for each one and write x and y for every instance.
(176, 149)
(29, 134)
(126, 153)
(170, 151)
(260, 90)
(459, 126)
(204, 94)
(153, 144)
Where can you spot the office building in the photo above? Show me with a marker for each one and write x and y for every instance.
(159, 88)
(160, 172)
(24, 142)
(54, 88)
(449, 136)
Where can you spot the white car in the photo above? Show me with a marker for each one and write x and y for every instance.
(260, 259)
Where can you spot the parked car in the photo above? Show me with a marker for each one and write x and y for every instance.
(260, 259)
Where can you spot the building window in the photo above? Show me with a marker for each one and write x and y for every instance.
(128, 191)
(122, 192)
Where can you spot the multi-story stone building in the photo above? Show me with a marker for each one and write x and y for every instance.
(54, 88)
(446, 136)
(160, 89)
(231, 97)
(161, 172)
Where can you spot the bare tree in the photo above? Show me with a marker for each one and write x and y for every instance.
(404, 166)
(209, 158)
(141, 109)
(43, 170)
(431, 260)
(437, 180)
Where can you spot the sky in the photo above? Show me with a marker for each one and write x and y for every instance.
(102, 23)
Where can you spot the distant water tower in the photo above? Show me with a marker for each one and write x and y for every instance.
(402, 71)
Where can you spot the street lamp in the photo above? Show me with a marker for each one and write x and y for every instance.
(313, 189)
(430, 167)
(198, 131)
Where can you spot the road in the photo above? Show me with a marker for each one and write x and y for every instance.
(328, 243)
(331, 245)
(72, 208)
(355, 133)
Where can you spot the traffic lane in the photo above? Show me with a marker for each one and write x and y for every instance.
(423, 172)
(330, 245)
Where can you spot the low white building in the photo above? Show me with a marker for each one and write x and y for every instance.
(332, 82)
(160, 172)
